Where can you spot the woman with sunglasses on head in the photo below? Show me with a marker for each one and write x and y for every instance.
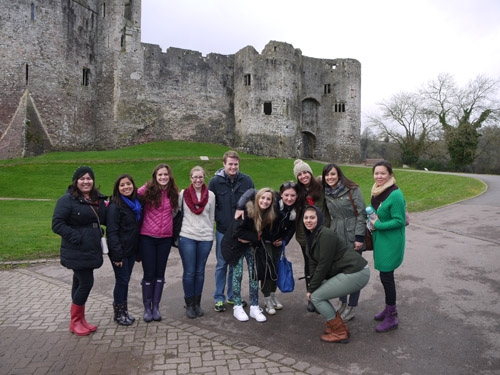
(310, 193)
(278, 237)
(347, 217)
(196, 238)
(122, 231)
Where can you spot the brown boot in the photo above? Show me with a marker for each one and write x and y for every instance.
(338, 331)
(327, 329)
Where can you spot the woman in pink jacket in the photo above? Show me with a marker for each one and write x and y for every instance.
(161, 202)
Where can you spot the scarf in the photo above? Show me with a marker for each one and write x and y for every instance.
(196, 206)
(135, 206)
(334, 192)
(380, 193)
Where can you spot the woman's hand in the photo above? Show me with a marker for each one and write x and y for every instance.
(372, 221)
(308, 296)
(278, 242)
(243, 241)
(239, 213)
(118, 264)
(358, 245)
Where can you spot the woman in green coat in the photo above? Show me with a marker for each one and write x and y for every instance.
(389, 237)
(347, 216)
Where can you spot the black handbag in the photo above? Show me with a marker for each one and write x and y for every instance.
(263, 266)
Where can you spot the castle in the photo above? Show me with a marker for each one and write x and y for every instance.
(75, 76)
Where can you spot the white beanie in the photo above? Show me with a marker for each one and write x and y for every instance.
(300, 166)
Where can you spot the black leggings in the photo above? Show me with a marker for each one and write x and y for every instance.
(83, 281)
(387, 279)
(307, 275)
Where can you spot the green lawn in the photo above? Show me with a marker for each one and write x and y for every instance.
(25, 226)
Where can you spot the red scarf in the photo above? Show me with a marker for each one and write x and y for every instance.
(195, 205)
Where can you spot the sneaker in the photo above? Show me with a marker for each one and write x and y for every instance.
(219, 306)
(276, 303)
(256, 313)
(269, 306)
(239, 313)
(231, 302)
(341, 308)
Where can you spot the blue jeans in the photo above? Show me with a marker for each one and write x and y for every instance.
(223, 273)
(194, 255)
(122, 279)
(154, 256)
(339, 285)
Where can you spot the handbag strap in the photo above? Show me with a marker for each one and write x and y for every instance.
(98, 221)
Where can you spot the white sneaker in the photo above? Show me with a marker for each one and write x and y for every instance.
(256, 313)
(348, 314)
(240, 314)
(269, 306)
(276, 303)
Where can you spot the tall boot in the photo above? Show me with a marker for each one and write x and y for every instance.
(120, 317)
(157, 292)
(190, 311)
(197, 306)
(336, 324)
(147, 299)
(130, 317)
(76, 326)
(390, 320)
(90, 327)
(338, 331)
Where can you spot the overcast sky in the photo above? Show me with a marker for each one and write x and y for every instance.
(401, 44)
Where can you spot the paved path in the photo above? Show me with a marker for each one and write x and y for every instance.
(448, 298)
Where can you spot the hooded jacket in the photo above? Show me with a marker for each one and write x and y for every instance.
(227, 193)
(122, 232)
(329, 254)
(77, 224)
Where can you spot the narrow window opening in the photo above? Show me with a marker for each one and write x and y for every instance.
(27, 74)
(247, 79)
(268, 108)
(122, 41)
(103, 10)
(275, 49)
(128, 10)
(32, 11)
(327, 88)
(339, 107)
(86, 77)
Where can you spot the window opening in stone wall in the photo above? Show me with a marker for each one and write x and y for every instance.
(122, 41)
(86, 76)
(27, 74)
(339, 107)
(268, 108)
(128, 10)
(103, 10)
(247, 79)
(327, 88)
(32, 11)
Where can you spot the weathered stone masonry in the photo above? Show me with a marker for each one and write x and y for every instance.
(76, 76)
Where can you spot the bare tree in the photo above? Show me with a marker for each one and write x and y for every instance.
(408, 123)
(461, 112)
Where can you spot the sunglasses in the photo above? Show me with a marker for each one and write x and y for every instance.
(288, 185)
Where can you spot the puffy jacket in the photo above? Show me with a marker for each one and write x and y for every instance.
(227, 193)
(75, 221)
(122, 232)
(157, 221)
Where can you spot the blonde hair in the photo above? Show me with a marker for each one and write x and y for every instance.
(262, 218)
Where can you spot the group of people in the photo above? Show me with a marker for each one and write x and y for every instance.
(326, 214)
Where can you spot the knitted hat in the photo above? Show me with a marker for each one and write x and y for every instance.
(300, 166)
(80, 171)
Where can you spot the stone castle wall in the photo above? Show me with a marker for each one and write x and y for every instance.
(77, 76)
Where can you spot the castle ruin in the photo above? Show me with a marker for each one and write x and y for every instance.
(76, 76)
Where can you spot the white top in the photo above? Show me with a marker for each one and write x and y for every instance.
(198, 227)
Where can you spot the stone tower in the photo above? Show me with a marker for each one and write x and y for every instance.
(77, 77)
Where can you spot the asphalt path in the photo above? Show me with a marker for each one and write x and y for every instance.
(448, 299)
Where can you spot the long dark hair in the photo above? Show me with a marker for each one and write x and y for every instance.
(75, 192)
(299, 202)
(342, 178)
(117, 197)
(152, 194)
(314, 189)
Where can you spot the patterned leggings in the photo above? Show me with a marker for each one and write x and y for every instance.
(238, 276)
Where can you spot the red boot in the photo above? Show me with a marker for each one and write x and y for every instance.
(76, 326)
(90, 327)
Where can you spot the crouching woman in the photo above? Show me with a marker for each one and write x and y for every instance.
(336, 270)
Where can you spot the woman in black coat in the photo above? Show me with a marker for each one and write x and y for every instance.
(122, 231)
(77, 218)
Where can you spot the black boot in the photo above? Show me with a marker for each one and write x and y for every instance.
(310, 305)
(190, 311)
(197, 308)
(130, 317)
(120, 317)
